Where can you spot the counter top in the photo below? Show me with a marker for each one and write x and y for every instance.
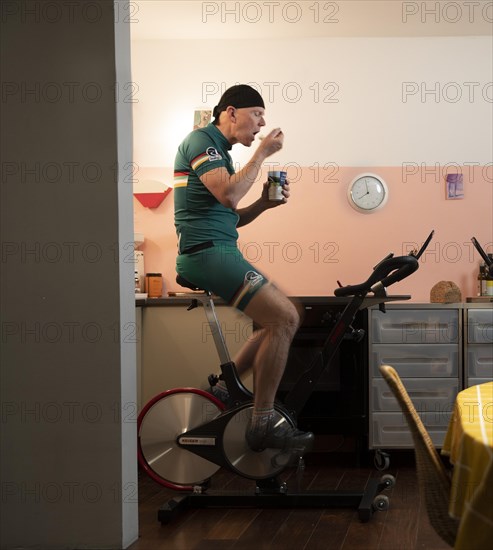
(184, 298)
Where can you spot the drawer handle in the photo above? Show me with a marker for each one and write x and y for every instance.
(429, 327)
(419, 393)
(413, 360)
(405, 429)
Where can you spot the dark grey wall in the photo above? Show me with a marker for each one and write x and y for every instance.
(68, 472)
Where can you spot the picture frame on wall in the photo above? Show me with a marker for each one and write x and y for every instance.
(201, 118)
(454, 187)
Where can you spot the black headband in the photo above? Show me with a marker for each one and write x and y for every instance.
(239, 96)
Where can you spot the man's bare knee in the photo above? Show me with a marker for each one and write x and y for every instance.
(271, 310)
(287, 322)
(291, 318)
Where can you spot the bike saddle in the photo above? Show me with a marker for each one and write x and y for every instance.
(183, 282)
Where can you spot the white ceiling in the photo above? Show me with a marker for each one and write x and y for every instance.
(246, 19)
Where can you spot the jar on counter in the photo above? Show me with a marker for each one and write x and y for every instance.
(154, 285)
(489, 278)
(488, 284)
(485, 279)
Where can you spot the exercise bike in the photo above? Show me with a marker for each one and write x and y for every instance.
(185, 435)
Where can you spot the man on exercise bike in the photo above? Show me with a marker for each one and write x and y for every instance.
(207, 192)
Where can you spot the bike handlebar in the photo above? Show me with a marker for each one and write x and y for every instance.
(389, 271)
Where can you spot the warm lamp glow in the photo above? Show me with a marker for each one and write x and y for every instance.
(173, 130)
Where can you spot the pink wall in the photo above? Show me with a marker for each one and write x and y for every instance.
(317, 238)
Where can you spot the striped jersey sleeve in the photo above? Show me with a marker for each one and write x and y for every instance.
(198, 154)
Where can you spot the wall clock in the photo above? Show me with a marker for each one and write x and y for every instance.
(367, 193)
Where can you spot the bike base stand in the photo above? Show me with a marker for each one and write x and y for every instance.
(366, 501)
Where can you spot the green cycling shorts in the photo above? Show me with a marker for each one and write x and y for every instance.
(222, 270)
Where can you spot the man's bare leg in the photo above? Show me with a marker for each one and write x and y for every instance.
(243, 361)
(245, 358)
(279, 319)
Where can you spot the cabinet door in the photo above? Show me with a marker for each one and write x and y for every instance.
(179, 347)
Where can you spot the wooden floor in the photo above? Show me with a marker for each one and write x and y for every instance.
(404, 526)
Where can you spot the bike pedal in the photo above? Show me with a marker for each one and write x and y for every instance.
(286, 459)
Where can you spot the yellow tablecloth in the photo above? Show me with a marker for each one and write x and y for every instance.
(469, 443)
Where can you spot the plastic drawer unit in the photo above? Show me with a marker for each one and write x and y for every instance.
(423, 344)
(479, 346)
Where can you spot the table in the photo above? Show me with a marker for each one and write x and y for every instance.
(469, 444)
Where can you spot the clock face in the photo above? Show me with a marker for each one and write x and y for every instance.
(367, 193)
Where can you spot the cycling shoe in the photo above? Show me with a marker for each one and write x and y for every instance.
(281, 436)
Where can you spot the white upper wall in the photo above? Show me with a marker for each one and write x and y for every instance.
(192, 19)
(350, 101)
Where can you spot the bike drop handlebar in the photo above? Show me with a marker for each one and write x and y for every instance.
(389, 271)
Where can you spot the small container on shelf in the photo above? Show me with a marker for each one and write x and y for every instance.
(154, 285)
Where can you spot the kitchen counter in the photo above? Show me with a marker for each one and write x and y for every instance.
(186, 297)
(183, 299)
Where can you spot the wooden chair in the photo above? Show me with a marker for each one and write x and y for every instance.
(433, 478)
